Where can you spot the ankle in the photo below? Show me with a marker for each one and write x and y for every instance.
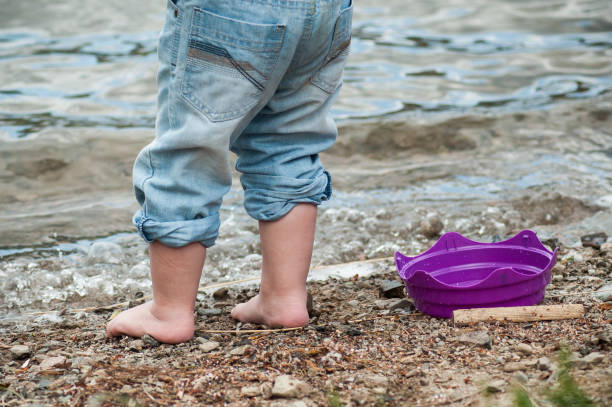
(287, 310)
(170, 312)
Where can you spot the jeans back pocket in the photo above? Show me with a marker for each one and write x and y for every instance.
(328, 78)
(228, 63)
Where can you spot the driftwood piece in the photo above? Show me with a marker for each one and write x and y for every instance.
(519, 314)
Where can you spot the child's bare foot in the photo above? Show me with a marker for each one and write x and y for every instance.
(285, 312)
(163, 325)
(286, 246)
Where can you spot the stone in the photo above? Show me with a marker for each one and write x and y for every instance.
(354, 332)
(431, 226)
(391, 289)
(136, 344)
(241, 350)
(331, 358)
(605, 336)
(286, 386)
(480, 338)
(374, 380)
(20, 351)
(513, 366)
(52, 362)
(412, 373)
(544, 364)
(250, 391)
(520, 377)
(392, 304)
(606, 247)
(104, 252)
(150, 341)
(208, 346)
(524, 349)
(573, 257)
(604, 293)
(496, 386)
(530, 363)
(359, 397)
(590, 360)
(594, 240)
(292, 403)
(221, 293)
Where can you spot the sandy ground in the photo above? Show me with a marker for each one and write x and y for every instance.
(360, 348)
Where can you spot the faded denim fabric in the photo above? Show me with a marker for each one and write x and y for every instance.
(257, 77)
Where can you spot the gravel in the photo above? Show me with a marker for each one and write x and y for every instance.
(355, 348)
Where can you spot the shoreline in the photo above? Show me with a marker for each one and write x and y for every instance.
(54, 191)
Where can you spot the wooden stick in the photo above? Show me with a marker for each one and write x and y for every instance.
(519, 314)
(248, 331)
(318, 267)
(227, 284)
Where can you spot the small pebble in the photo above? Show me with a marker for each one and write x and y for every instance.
(544, 363)
(392, 304)
(524, 349)
(604, 293)
(605, 336)
(354, 332)
(286, 386)
(221, 293)
(590, 360)
(513, 366)
(431, 226)
(241, 350)
(496, 386)
(136, 344)
(374, 380)
(391, 289)
(150, 341)
(52, 362)
(20, 351)
(594, 240)
(480, 338)
(208, 346)
(520, 377)
(250, 391)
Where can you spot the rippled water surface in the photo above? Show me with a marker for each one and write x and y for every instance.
(492, 116)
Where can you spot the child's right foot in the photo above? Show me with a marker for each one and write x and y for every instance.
(165, 326)
(278, 312)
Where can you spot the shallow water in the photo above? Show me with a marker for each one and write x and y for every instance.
(492, 116)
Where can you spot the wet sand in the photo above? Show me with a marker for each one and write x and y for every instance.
(76, 183)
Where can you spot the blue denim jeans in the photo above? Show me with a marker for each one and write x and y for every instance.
(256, 77)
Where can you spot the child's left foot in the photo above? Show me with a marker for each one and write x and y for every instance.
(284, 312)
(166, 326)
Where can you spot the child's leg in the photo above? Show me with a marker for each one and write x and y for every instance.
(169, 316)
(286, 245)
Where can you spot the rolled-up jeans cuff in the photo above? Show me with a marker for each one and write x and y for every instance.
(178, 233)
(272, 197)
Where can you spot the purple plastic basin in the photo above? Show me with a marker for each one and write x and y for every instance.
(460, 273)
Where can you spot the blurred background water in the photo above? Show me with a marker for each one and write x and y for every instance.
(487, 116)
